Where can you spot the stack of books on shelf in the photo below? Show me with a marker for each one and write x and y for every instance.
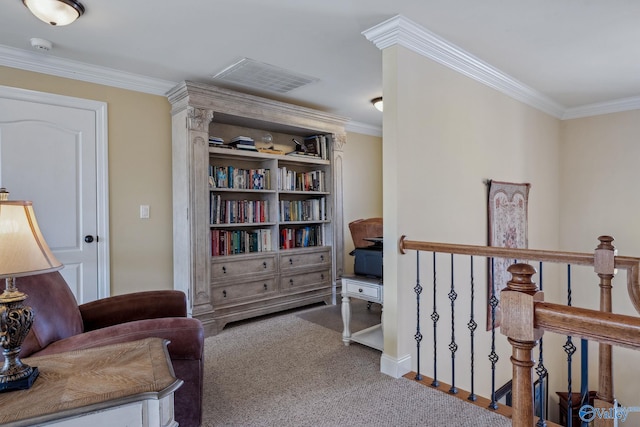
(243, 143)
(303, 210)
(312, 146)
(231, 242)
(301, 237)
(216, 141)
(289, 180)
(238, 178)
(237, 211)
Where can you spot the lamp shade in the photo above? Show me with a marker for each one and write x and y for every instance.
(23, 250)
(55, 12)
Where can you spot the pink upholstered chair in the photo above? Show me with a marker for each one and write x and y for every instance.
(61, 325)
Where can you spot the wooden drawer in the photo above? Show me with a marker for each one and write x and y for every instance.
(229, 268)
(362, 290)
(317, 279)
(291, 260)
(243, 291)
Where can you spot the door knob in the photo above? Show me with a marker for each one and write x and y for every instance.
(88, 238)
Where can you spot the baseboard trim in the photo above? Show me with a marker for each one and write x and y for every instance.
(395, 367)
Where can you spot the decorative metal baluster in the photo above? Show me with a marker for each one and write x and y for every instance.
(493, 356)
(453, 347)
(435, 317)
(570, 349)
(541, 371)
(472, 325)
(418, 336)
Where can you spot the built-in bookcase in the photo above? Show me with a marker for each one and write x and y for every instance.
(256, 230)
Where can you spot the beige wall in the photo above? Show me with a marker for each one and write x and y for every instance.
(139, 131)
(599, 179)
(362, 181)
(443, 136)
(139, 128)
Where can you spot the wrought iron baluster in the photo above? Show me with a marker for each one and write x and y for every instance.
(435, 317)
(453, 347)
(418, 336)
(570, 349)
(541, 370)
(472, 325)
(493, 356)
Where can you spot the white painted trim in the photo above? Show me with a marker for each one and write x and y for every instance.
(102, 169)
(406, 33)
(47, 64)
(363, 128)
(619, 105)
(393, 367)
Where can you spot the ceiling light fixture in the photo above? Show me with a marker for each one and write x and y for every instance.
(377, 102)
(55, 12)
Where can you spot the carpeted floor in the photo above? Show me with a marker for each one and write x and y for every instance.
(294, 370)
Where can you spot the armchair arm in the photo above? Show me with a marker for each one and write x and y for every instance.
(186, 337)
(134, 306)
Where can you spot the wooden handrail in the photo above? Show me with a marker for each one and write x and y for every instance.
(593, 325)
(526, 317)
(630, 264)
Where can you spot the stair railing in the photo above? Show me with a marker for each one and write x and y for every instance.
(605, 263)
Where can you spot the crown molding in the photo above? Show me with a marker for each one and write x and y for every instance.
(43, 63)
(363, 128)
(406, 33)
(597, 109)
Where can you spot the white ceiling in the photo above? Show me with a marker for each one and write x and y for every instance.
(575, 52)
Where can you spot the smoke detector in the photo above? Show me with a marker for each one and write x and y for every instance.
(41, 44)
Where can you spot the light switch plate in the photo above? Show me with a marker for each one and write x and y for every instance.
(144, 211)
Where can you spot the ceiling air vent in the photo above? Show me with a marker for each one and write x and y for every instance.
(261, 76)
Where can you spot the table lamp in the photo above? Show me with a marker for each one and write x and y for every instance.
(23, 252)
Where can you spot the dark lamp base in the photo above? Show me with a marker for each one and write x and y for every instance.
(21, 384)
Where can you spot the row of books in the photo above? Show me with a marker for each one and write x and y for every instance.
(303, 210)
(290, 180)
(227, 242)
(238, 178)
(237, 211)
(301, 237)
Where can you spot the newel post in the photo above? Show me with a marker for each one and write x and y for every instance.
(604, 266)
(517, 303)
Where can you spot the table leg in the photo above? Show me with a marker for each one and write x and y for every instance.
(346, 319)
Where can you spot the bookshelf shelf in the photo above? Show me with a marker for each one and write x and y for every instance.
(232, 267)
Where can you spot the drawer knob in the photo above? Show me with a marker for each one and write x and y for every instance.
(290, 282)
(224, 270)
(264, 264)
(290, 261)
(322, 276)
(321, 257)
(224, 294)
(360, 290)
(265, 287)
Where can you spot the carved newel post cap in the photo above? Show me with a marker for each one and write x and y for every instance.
(521, 278)
(605, 242)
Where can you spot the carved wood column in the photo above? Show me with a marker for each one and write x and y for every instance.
(604, 266)
(518, 307)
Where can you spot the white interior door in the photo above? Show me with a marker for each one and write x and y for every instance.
(49, 150)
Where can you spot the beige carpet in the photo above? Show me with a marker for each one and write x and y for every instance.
(288, 371)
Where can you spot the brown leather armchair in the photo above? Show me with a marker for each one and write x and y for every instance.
(61, 325)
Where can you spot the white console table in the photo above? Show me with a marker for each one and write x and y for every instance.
(368, 289)
(128, 384)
